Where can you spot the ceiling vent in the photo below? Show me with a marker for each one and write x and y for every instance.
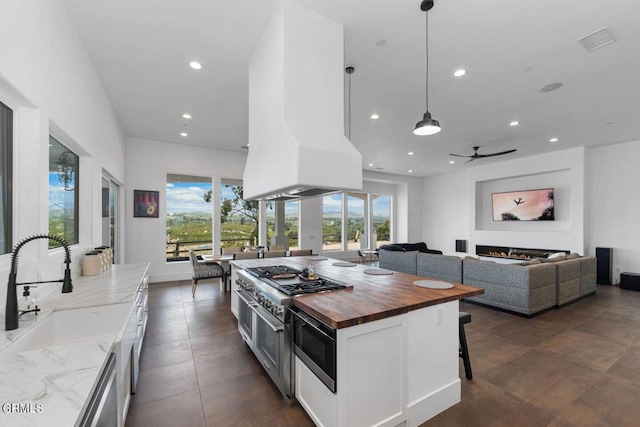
(599, 39)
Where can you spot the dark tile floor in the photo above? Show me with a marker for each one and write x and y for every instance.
(572, 367)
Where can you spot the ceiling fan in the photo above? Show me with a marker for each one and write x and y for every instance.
(476, 155)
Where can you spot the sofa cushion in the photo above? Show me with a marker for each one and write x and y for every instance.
(404, 262)
(441, 267)
(572, 256)
(532, 262)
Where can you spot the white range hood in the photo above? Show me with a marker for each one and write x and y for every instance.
(297, 146)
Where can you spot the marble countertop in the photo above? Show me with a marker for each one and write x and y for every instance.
(52, 384)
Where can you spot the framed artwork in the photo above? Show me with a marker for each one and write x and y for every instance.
(145, 203)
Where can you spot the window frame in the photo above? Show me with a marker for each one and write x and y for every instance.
(6, 189)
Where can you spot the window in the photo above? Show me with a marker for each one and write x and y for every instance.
(189, 216)
(332, 222)
(63, 193)
(6, 173)
(110, 192)
(356, 217)
(365, 213)
(239, 217)
(291, 214)
(381, 219)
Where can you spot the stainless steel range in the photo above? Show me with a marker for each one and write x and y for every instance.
(264, 319)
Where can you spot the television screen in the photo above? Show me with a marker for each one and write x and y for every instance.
(527, 205)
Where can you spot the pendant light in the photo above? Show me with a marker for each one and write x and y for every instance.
(427, 126)
(349, 71)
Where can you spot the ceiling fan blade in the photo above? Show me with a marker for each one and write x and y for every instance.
(471, 159)
(498, 154)
(458, 155)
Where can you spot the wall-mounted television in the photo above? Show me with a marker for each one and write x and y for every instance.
(526, 205)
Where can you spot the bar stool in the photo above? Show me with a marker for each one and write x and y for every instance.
(464, 350)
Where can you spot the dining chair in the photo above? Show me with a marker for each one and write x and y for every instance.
(205, 270)
(230, 250)
(274, 254)
(363, 257)
(277, 248)
(300, 252)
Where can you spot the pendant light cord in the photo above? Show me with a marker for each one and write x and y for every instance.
(350, 106)
(426, 43)
(349, 71)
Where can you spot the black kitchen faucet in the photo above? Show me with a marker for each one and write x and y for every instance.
(11, 309)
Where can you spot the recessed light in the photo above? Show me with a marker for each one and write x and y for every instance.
(375, 116)
(514, 123)
(186, 115)
(451, 162)
(459, 73)
(370, 165)
(410, 171)
(195, 65)
(553, 140)
(410, 153)
(184, 134)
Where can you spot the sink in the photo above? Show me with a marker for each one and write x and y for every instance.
(66, 326)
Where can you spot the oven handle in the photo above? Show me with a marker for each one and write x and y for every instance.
(312, 323)
(250, 302)
(257, 310)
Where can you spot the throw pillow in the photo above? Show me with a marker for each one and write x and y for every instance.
(557, 255)
(572, 256)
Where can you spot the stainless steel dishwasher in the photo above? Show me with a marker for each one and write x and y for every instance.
(103, 406)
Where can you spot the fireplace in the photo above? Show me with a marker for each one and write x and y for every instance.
(515, 253)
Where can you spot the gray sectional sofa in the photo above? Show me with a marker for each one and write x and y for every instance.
(525, 288)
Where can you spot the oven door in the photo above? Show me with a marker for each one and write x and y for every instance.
(315, 344)
(269, 343)
(245, 316)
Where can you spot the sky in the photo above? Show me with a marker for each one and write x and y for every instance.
(333, 204)
(187, 197)
(532, 203)
(57, 193)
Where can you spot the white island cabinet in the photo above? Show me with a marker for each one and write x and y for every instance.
(401, 370)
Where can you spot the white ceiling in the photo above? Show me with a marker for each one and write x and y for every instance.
(510, 49)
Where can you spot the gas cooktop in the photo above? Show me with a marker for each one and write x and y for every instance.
(290, 281)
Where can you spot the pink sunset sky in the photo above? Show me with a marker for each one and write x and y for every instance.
(535, 201)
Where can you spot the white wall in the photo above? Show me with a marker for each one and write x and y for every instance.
(148, 163)
(457, 206)
(613, 218)
(49, 81)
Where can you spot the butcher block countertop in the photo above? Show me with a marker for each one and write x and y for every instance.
(370, 297)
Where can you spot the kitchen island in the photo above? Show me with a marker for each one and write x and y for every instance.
(396, 345)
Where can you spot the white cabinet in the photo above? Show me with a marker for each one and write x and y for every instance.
(402, 370)
(234, 286)
(129, 348)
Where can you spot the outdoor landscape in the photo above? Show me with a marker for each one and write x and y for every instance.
(189, 220)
